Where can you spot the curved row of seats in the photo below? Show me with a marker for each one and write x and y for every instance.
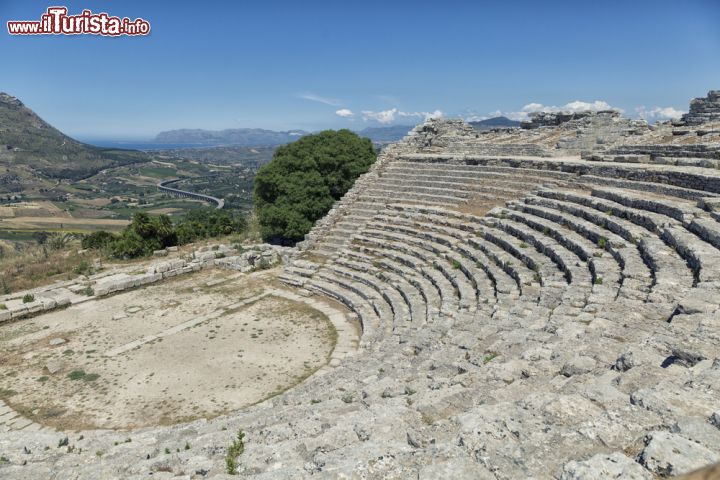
(409, 254)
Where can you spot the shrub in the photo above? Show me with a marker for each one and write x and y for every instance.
(3, 306)
(598, 281)
(237, 448)
(455, 264)
(58, 241)
(28, 298)
(304, 179)
(83, 268)
(76, 375)
(147, 234)
(143, 236)
(97, 240)
(489, 357)
(230, 466)
(602, 242)
(208, 223)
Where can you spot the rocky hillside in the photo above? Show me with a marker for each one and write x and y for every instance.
(29, 147)
(495, 122)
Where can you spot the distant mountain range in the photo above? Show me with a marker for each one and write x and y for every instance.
(258, 137)
(31, 147)
(244, 137)
(496, 122)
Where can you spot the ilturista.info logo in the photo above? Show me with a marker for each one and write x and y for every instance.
(56, 21)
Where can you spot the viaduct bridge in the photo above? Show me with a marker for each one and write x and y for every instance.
(176, 192)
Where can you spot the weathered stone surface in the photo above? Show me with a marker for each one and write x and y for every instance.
(578, 366)
(624, 362)
(455, 468)
(670, 454)
(614, 465)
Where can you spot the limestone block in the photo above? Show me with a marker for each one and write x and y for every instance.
(670, 454)
(19, 312)
(614, 465)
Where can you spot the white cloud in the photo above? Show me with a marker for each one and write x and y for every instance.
(533, 107)
(658, 113)
(384, 116)
(433, 115)
(423, 115)
(344, 112)
(571, 107)
(578, 106)
(389, 116)
(334, 102)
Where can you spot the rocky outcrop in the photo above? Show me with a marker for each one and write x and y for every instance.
(554, 119)
(703, 110)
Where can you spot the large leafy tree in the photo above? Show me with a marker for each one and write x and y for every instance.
(304, 179)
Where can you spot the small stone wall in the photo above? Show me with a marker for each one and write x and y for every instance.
(82, 289)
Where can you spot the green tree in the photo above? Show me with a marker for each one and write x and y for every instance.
(144, 235)
(304, 179)
(97, 240)
(205, 223)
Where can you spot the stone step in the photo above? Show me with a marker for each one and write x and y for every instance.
(453, 285)
(400, 310)
(407, 267)
(671, 273)
(419, 293)
(601, 267)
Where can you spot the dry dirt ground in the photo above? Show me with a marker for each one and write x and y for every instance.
(196, 346)
(46, 215)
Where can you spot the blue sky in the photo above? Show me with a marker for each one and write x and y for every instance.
(285, 65)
